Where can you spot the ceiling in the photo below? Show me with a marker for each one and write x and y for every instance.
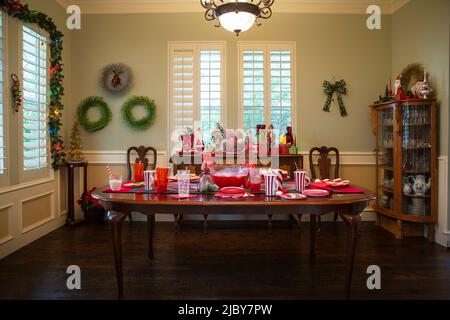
(298, 6)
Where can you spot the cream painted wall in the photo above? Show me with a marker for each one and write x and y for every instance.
(420, 33)
(327, 45)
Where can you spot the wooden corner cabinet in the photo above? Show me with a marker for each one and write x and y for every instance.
(406, 166)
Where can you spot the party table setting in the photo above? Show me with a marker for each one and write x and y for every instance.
(232, 183)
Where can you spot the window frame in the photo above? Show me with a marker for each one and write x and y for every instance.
(267, 47)
(4, 178)
(197, 47)
(32, 175)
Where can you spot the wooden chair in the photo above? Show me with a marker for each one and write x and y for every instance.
(141, 157)
(324, 164)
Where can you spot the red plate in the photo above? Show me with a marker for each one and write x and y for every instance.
(315, 193)
(232, 190)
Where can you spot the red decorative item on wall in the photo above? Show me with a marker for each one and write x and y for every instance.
(16, 93)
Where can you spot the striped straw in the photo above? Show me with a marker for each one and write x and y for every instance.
(109, 170)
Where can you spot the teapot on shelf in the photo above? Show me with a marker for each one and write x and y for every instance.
(419, 184)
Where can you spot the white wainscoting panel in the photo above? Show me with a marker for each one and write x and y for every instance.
(442, 235)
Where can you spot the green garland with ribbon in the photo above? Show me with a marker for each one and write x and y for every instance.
(85, 106)
(150, 109)
(22, 12)
(340, 89)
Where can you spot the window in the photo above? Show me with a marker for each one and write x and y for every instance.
(2, 107)
(34, 114)
(197, 79)
(267, 74)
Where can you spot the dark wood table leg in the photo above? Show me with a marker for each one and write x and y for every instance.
(352, 222)
(205, 223)
(115, 220)
(151, 227)
(270, 223)
(299, 222)
(313, 230)
(176, 222)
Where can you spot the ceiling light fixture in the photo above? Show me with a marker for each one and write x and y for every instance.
(237, 15)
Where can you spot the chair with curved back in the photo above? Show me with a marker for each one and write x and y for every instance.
(324, 165)
(141, 157)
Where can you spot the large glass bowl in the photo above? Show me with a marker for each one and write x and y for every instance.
(230, 177)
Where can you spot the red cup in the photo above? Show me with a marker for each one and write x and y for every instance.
(162, 179)
(255, 187)
(138, 169)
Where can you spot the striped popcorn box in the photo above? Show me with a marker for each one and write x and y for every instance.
(300, 180)
(270, 182)
(149, 179)
(279, 174)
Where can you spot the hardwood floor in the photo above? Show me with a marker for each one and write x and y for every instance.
(236, 260)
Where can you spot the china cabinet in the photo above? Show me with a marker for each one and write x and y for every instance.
(406, 177)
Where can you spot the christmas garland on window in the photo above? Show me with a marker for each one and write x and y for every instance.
(17, 10)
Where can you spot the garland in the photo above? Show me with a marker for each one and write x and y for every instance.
(329, 90)
(17, 10)
(16, 92)
(145, 122)
(93, 102)
(411, 74)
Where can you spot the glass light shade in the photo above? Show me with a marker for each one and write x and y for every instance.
(237, 21)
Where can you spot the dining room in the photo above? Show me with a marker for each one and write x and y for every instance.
(184, 150)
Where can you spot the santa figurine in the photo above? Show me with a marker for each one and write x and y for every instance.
(398, 90)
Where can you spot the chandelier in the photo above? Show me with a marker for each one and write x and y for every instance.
(237, 15)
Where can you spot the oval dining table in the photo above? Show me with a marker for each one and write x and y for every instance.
(120, 206)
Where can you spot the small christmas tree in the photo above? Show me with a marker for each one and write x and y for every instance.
(75, 153)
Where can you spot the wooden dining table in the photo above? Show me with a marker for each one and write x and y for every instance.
(120, 206)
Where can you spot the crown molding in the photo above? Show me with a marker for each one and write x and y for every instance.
(191, 6)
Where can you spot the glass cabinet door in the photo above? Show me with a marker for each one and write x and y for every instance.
(416, 159)
(385, 152)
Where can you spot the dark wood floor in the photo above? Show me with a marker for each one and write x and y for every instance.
(234, 261)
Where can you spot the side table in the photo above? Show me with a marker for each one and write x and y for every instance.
(71, 221)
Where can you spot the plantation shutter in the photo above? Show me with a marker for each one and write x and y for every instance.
(280, 90)
(210, 91)
(2, 106)
(267, 78)
(253, 88)
(34, 119)
(182, 93)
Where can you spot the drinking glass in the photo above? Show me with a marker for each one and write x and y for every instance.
(184, 177)
(138, 169)
(255, 180)
(115, 182)
(162, 179)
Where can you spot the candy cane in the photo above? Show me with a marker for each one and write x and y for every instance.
(109, 170)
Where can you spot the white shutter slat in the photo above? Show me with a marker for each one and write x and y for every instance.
(182, 78)
(34, 114)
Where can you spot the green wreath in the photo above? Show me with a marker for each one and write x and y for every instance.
(94, 102)
(145, 122)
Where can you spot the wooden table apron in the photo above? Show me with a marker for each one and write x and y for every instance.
(348, 206)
